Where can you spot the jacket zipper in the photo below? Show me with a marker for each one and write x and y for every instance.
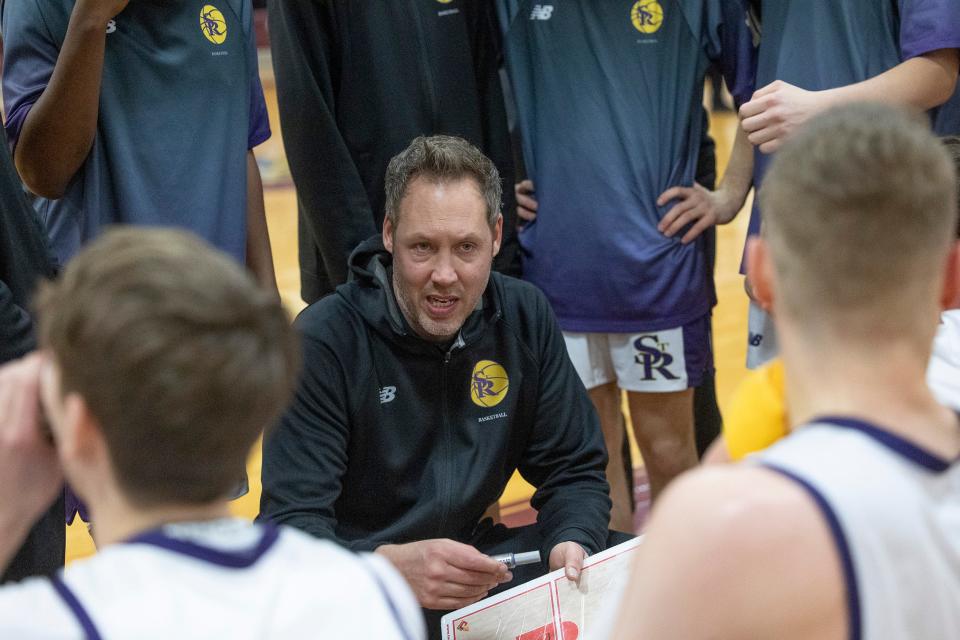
(427, 70)
(446, 477)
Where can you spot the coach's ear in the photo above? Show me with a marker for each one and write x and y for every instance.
(950, 296)
(760, 272)
(387, 234)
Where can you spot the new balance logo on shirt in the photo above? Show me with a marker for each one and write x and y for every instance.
(388, 394)
(111, 26)
(541, 12)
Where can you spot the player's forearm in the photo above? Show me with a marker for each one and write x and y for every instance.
(923, 82)
(259, 254)
(738, 177)
(59, 130)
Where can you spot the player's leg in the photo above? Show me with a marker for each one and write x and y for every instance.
(590, 355)
(663, 426)
(660, 369)
(606, 399)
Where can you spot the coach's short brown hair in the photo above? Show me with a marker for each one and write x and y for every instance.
(178, 354)
(442, 158)
(859, 210)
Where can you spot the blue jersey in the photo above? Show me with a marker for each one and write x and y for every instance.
(180, 105)
(609, 97)
(824, 44)
(947, 121)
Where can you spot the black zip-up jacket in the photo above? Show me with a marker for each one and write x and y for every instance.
(357, 81)
(393, 439)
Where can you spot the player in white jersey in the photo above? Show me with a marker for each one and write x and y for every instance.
(161, 362)
(850, 526)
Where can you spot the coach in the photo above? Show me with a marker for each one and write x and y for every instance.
(428, 381)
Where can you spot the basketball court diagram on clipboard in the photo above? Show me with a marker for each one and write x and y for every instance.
(550, 607)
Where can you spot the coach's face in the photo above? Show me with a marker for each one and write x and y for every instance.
(442, 250)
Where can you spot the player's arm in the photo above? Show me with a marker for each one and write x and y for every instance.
(729, 44)
(259, 255)
(16, 327)
(333, 201)
(734, 552)
(30, 474)
(703, 208)
(58, 132)
(565, 458)
(778, 109)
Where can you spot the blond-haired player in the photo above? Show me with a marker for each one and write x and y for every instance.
(849, 527)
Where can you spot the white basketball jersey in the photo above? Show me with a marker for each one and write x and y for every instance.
(221, 579)
(894, 513)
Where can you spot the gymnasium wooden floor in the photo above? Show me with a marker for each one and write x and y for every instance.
(729, 320)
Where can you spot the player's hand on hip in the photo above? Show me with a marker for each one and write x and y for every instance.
(445, 574)
(526, 202)
(100, 9)
(695, 205)
(568, 556)
(30, 474)
(776, 111)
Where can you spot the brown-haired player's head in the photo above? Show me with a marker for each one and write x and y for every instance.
(177, 355)
(860, 210)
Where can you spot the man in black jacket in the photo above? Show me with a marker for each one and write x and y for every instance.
(427, 382)
(356, 81)
(24, 259)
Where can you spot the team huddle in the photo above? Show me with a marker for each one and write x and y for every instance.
(507, 218)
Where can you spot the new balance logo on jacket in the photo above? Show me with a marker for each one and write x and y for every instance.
(541, 12)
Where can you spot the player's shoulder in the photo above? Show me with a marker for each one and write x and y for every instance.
(50, 14)
(33, 608)
(756, 519)
(753, 523)
(357, 582)
(737, 504)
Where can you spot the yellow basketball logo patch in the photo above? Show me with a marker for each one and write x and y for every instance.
(647, 16)
(213, 24)
(488, 384)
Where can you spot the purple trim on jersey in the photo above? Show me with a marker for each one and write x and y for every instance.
(930, 25)
(390, 603)
(70, 599)
(259, 119)
(843, 548)
(14, 124)
(895, 443)
(230, 559)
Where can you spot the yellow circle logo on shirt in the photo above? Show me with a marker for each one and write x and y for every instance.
(647, 16)
(444, 1)
(213, 24)
(488, 384)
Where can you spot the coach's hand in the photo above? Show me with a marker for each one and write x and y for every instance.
(568, 556)
(445, 574)
(100, 9)
(526, 203)
(30, 474)
(696, 205)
